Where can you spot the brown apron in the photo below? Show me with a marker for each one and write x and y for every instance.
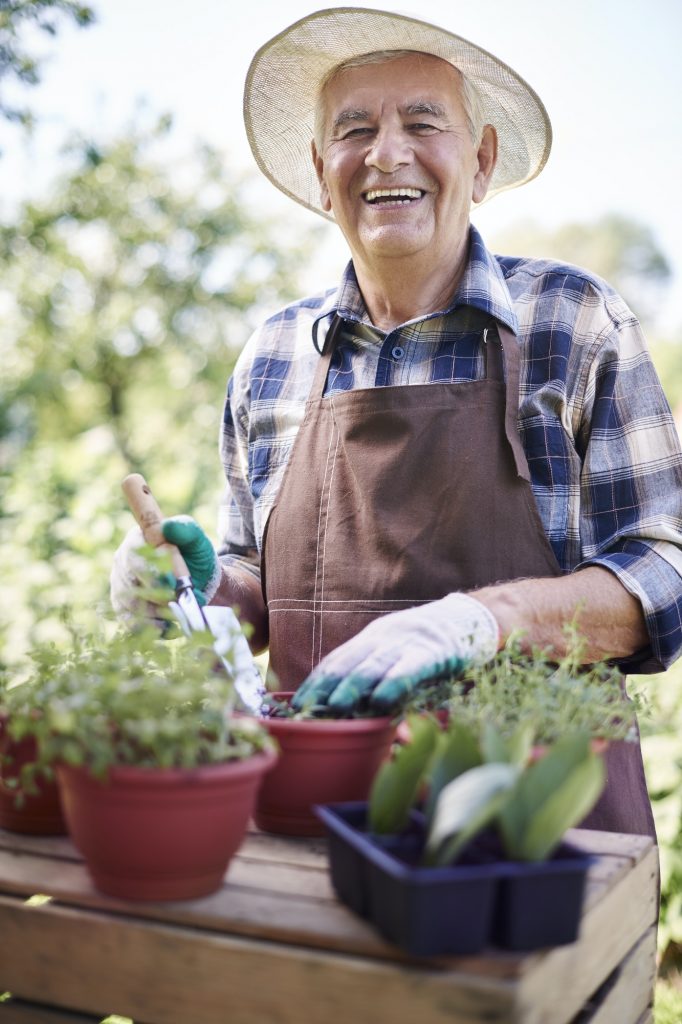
(397, 496)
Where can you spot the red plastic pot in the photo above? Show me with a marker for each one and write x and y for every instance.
(38, 813)
(320, 761)
(161, 834)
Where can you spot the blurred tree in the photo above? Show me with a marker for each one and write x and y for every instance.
(621, 250)
(18, 18)
(124, 298)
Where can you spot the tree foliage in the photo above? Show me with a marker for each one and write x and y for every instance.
(621, 250)
(18, 18)
(125, 296)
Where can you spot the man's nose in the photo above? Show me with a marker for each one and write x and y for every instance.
(389, 151)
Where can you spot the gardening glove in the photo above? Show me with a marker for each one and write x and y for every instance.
(129, 567)
(396, 653)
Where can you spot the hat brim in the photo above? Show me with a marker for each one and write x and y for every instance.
(284, 78)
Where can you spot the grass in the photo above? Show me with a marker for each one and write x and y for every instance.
(668, 1002)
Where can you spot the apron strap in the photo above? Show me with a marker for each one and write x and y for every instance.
(322, 370)
(509, 347)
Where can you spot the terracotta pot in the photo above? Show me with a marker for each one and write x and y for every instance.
(321, 761)
(161, 834)
(39, 813)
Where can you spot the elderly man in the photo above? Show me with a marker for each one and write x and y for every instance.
(450, 446)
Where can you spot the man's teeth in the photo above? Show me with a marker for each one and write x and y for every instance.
(401, 194)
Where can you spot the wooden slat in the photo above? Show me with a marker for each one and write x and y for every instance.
(615, 844)
(55, 846)
(608, 932)
(269, 893)
(17, 1011)
(245, 911)
(90, 961)
(628, 992)
(257, 845)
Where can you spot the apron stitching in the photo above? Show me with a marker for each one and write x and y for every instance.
(324, 549)
(317, 550)
(354, 600)
(345, 611)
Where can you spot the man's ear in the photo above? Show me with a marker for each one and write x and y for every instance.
(318, 164)
(487, 158)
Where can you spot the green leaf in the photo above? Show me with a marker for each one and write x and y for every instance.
(520, 744)
(457, 750)
(551, 796)
(397, 782)
(494, 747)
(466, 806)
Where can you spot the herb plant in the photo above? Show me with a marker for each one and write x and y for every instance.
(552, 695)
(130, 699)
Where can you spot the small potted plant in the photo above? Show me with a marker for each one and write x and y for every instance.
(481, 859)
(321, 760)
(29, 801)
(157, 774)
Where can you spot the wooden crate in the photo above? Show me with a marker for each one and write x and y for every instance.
(273, 946)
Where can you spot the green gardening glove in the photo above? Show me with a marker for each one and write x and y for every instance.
(198, 553)
(389, 659)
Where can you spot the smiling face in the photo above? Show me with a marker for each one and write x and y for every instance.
(397, 165)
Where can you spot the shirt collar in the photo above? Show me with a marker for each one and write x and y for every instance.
(482, 286)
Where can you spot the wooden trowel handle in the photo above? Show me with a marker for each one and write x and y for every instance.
(148, 516)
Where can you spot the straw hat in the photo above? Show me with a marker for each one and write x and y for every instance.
(285, 75)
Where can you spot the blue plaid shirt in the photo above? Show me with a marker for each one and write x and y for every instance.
(602, 448)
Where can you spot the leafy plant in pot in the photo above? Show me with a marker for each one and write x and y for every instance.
(157, 774)
(461, 843)
(553, 695)
(29, 800)
(321, 760)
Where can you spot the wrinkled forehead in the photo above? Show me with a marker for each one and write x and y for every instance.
(372, 71)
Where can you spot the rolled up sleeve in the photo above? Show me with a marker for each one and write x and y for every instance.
(237, 542)
(631, 487)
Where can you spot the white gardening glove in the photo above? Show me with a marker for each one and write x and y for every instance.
(392, 656)
(130, 569)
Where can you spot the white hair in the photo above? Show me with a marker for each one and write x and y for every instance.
(471, 98)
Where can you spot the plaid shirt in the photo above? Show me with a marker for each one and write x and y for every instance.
(602, 449)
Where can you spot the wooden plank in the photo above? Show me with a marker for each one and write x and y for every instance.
(270, 895)
(254, 912)
(55, 846)
(274, 903)
(89, 961)
(628, 992)
(312, 852)
(17, 1011)
(26, 871)
(647, 1017)
(608, 932)
(257, 846)
(616, 844)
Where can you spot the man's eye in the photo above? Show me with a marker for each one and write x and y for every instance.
(422, 128)
(356, 133)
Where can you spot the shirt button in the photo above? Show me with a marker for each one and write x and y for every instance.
(398, 352)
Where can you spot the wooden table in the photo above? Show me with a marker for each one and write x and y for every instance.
(273, 946)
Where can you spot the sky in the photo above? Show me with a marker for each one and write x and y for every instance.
(608, 71)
